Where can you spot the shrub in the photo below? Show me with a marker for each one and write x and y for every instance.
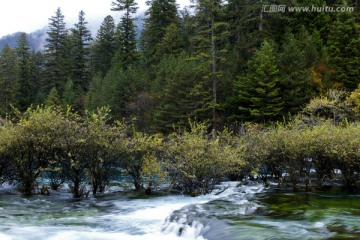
(196, 161)
(30, 145)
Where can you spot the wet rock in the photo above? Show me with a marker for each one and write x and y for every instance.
(44, 190)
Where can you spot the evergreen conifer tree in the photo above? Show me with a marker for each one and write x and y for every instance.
(296, 59)
(56, 54)
(80, 54)
(53, 98)
(95, 97)
(126, 34)
(209, 39)
(104, 47)
(37, 75)
(179, 94)
(69, 95)
(26, 91)
(171, 42)
(258, 93)
(344, 50)
(9, 79)
(160, 15)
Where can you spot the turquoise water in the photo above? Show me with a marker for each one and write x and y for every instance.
(289, 215)
(246, 212)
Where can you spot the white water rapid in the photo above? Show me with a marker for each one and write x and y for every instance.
(113, 217)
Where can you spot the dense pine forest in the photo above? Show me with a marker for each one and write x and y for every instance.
(225, 63)
(217, 89)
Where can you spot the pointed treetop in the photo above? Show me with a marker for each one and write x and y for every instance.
(120, 5)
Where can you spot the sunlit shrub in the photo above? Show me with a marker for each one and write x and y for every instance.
(197, 161)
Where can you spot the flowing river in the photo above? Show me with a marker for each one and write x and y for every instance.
(245, 212)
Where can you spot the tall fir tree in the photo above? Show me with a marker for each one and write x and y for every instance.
(104, 47)
(179, 94)
(258, 92)
(186, 28)
(37, 75)
(296, 59)
(69, 96)
(26, 91)
(160, 15)
(344, 50)
(126, 33)
(311, 21)
(171, 42)
(9, 79)
(242, 16)
(56, 54)
(209, 42)
(53, 98)
(80, 40)
(95, 97)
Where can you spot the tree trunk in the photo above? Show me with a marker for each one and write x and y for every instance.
(137, 183)
(261, 19)
(214, 67)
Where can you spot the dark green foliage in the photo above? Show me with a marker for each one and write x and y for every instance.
(344, 50)
(37, 74)
(69, 96)
(9, 80)
(241, 27)
(104, 47)
(171, 42)
(258, 92)
(53, 99)
(80, 39)
(222, 38)
(160, 15)
(296, 58)
(312, 53)
(311, 20)
(125, 33)
(210, 35)
(26, 96)
(179, 92)
(57, 62)
(95, 96)
(118, 89)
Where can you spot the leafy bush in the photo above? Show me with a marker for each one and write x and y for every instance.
(141, 160)
(30, 144)
(297, 151)
(197, 161)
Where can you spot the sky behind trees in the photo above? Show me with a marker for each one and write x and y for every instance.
(28, 16)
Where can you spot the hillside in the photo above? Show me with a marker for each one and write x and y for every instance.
(36, 39)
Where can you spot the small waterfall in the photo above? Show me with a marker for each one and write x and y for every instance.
(193, 221)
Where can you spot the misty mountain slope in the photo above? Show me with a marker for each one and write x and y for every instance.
(36, 39)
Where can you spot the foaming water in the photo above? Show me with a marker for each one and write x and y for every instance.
(116, 216)
(239, 212)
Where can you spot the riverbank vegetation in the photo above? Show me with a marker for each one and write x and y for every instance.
(64, 147)
(89, 152)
